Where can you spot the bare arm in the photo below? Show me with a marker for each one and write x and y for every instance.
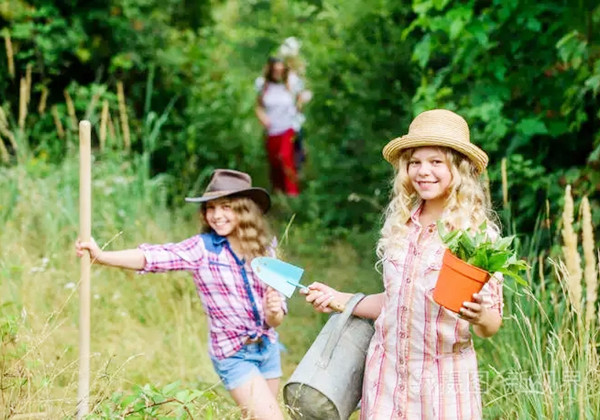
(370, 306)
(261, 114)
(132, 259)
(320, 295)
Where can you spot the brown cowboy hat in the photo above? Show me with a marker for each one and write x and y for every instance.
(437, 127)
(227, 182)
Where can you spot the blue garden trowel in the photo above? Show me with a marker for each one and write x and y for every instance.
(283, 277)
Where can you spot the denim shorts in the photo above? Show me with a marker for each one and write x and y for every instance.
(253, 359)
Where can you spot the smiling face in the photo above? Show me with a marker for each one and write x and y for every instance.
(429, 174)
(221, 217)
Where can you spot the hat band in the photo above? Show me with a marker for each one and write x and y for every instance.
(218, 193)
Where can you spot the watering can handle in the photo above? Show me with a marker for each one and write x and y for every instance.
(335, 335)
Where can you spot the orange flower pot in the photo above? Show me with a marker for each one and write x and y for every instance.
(457, 282)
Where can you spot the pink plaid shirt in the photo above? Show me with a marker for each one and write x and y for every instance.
(235, 312)
(421, 363)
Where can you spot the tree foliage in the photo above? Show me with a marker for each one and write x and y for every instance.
(526, 75)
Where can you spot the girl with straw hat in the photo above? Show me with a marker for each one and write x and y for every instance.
(421, 362)
(242, 311)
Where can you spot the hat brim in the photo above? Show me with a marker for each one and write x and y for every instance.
(392, 150)
(259, 195)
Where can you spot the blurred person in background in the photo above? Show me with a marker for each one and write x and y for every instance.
(279, 97)
(290, 52)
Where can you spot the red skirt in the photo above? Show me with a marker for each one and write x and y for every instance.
(280, 150)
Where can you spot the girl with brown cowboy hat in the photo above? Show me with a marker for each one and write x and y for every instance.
(242, 311)
(421, 362)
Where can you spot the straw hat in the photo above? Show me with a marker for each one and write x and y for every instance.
(437, 127)
(227, 182)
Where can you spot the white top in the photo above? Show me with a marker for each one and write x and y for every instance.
(280, 103)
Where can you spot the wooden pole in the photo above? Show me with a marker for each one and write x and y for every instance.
(85, 233)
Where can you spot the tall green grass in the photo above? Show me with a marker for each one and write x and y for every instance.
(149, 337)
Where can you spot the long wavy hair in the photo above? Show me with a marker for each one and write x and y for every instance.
(467, 204)
(269, 70)
(253, 233)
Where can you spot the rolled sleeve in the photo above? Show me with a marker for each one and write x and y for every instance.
(491, 293)
(185, 255)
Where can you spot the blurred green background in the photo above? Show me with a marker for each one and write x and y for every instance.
(525, 75)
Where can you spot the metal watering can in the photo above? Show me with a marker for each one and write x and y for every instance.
(327, 384)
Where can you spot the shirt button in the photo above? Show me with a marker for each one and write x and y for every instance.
(408, 279)
(402, 334)
(403, 308)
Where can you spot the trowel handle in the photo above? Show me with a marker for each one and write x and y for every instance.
(336, 306)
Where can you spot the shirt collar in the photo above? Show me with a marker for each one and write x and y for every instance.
(414, 215)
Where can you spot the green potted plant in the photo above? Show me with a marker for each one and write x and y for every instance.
(469, 262)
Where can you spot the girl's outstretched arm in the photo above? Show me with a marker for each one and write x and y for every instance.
(320, 295)
(132, 259)
(486, 321)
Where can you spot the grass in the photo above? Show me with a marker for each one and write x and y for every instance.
(149, 354)
(145, 329)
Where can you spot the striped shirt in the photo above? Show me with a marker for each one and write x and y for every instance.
(421, 363)
(231, 294)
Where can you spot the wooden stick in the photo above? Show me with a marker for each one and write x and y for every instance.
(85, 233)
(123, 116)
(28, 82)
(103, 124)
(22, 103)
(3, 151)
(59, 127)
(338, 307)
(43, 99)
(71, 109)
(9, 55)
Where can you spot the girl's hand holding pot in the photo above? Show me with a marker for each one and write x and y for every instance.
(484, 322)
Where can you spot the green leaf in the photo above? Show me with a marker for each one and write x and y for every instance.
(169, 388)
(504, 243)
(422, 51)
(531, 126)
(183, 396)
(477, 249)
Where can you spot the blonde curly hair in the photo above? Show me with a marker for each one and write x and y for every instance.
(252, 231)
(467, 204)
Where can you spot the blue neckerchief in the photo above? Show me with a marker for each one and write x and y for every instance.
(215, 243)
